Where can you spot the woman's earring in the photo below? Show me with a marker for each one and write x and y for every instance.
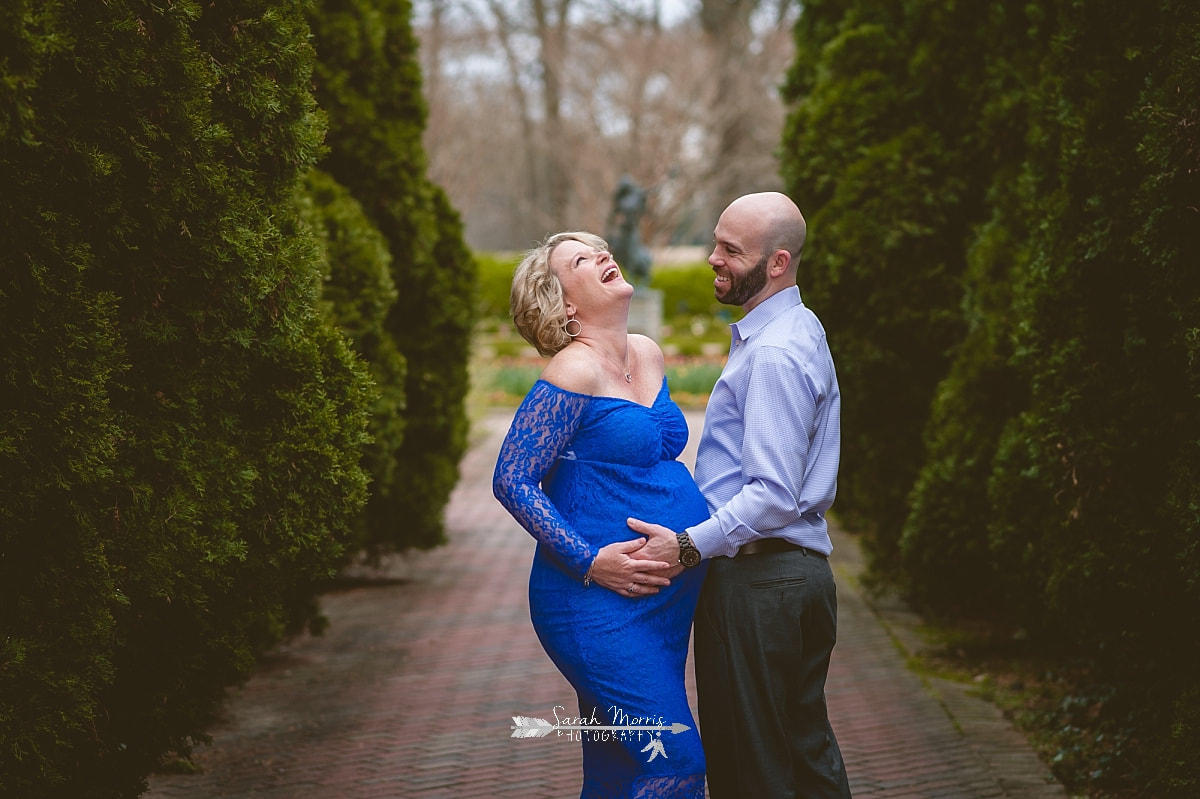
(567, 327)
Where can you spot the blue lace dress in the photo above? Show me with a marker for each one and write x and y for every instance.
(571, 470)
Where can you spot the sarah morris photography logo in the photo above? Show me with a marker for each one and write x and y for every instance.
(623, 728)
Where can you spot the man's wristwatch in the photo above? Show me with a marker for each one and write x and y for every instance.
(689, 556)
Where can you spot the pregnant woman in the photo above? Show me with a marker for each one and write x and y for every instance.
(594, 442)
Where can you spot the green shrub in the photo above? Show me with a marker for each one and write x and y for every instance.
(512, 348)
(688, 292)
(368, 80)
(495, 283)
(60, 351)
(947, 560)
(1054, 151)
(182, 454)
(358, 294)
(878, 155)
(1105, 546)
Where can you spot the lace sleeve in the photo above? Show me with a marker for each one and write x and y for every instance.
(541, 430)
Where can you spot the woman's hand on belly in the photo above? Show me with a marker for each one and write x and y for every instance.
(614, 569)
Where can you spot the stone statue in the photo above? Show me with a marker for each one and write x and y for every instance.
(624, 234)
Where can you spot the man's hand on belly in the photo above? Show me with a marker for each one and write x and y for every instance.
(661, 545)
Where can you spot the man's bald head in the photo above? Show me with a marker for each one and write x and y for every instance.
(775, 220)
(756, 248)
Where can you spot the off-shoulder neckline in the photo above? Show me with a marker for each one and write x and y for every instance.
(562, 390)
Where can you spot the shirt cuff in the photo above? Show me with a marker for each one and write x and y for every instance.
(709, 538)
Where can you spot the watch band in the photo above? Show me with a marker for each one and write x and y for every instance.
(689, 556)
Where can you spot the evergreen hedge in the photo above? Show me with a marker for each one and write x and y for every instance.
(358, 294)
(181, 427)
(1055, 486)
(880, 157)
(368, 80)
(946, 530)
(1094, 495)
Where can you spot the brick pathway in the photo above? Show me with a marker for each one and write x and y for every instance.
(411, 690)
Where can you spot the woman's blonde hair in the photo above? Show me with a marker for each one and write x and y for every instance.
(536, 300)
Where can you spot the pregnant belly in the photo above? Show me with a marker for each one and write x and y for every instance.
(597, 498)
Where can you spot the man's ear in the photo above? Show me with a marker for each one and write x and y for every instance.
(780, 260)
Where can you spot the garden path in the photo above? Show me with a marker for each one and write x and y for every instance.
(412, 689)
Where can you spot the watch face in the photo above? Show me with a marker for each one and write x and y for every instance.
(689, 557)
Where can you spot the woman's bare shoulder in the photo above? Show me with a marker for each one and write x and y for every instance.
(572, 369)
(647, 348)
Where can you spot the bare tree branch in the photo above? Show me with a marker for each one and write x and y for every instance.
(540, 105)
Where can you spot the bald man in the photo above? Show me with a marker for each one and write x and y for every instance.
(767, 465)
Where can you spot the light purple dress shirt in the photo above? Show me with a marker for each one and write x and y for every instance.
(768, 457)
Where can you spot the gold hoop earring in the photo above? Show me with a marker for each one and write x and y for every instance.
(567, 327)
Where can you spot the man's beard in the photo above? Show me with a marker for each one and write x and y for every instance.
(743, 288)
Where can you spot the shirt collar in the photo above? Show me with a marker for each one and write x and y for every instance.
(765, 311)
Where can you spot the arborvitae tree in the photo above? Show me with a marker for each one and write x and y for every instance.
(368, 80)
(181, 429)
(880, 155)
(1168, 239)
(1104, 545)
(358, 294)
(59, 351)
(1106, 365)
(947, 559)
(1060, 491)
